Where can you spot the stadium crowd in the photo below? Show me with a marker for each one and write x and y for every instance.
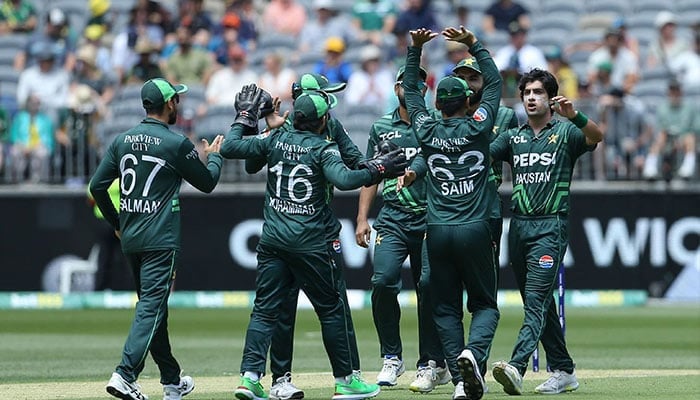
(70, 75)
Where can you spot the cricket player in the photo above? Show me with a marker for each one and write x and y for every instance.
(455, 148)
(151, 161)
(468, 69)
(542, 154)
(400, 228)
(282, 345)
(293, 249)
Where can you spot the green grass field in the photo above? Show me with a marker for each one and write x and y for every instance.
(648, 352)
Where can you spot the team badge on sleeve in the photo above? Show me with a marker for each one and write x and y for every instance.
(546, 261)
(481, 114)
(336, 246)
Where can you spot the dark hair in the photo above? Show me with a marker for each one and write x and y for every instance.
(301, 123)
(452, 106)
(549, 82)
(155, 110)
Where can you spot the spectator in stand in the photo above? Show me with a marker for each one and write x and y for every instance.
(99, 14)
(628, 40)
(502, 13)
(675, 139)
(17, 16)
(516, 59)
(285, 17)
(193, 16)
(624, 70)
(566, 77)
(602, 83)
(87, 73)
(326, 24)
(229, 34)
(374, 20)
(76, 134)
(123, 55)
(226, 82)
(371, 85)
(628, 132)
(277, 78)
(687, 65)
(668, 45)
(44, 81)
(248, 32)
(147, 66)
(189, 64)
(333, 66)
(156, 14)
(57, 35)
(32, 139)
(93, 35)
(417, 14)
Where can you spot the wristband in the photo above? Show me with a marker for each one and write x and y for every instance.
(580, 120)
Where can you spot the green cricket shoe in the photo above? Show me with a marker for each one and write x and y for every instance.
(355, 389)
(249, 389)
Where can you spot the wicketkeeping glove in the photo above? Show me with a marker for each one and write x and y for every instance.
(266, 107)
(248, 106)
(384, 147)
(389, 165)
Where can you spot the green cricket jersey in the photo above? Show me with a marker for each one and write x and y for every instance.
(407, 205)
(150, 161)
(456, 149)
(542, 165)
(505, 119)
(351, 155)
(300, 166)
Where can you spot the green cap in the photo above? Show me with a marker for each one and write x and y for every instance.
(451, 87)
(468, 63)
(312, 105)
(605, 66)
(402, 69)
(320, 82)
(155, 92)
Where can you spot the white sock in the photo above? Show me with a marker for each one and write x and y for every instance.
(343, 379)
(253, 376)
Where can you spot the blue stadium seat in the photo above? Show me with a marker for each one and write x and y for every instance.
(653, 5)
(616, 7)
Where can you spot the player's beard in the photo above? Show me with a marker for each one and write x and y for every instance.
(172, 117)
(402, 99)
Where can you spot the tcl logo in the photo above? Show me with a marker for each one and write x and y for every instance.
(530, 159)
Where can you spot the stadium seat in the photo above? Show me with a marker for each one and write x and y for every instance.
(8, 74)
(641, 20)
(543, 38)
(653, 5)
(562, 20)
(13, 41)
(563, 6)
(683, 6)
(616, 7)
(7, 56)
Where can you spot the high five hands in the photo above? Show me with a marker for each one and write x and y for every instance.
(423, 35)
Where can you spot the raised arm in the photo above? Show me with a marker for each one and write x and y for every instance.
(202, 177)
(415, 103)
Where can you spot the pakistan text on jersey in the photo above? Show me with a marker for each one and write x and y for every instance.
(289, 207)
(144, 206)
(457, 187)
(532, 177)
(449, 145)
(141, 141)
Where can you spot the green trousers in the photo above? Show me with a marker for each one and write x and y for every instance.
(536, 249)
(282, 345)
(463, 257)
(318, 274)
(391, 248)
(154, 273)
